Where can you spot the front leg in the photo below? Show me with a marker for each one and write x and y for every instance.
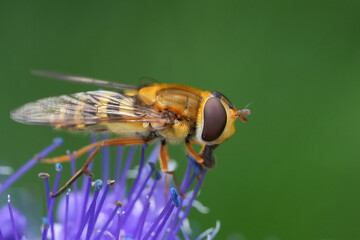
(190, 149)
(206, 156)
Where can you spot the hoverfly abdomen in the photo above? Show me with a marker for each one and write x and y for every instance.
(78, 107)
(88, 110)
(112, 110)
(69, 114)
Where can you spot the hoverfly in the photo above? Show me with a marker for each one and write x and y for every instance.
(170, 112)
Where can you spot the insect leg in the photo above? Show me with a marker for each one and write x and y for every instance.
(164, 157)
(81, 151)
(194, 141)
(66, 158)
(193, 153)
(84, 170)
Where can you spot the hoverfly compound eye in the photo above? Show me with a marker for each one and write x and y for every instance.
(214, 119)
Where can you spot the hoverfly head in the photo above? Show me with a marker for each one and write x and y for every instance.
(216, 121)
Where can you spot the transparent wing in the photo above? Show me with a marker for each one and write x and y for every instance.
(87, 108)
(147, 81)
(80, 79)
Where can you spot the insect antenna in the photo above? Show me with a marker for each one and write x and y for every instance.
(243, 112)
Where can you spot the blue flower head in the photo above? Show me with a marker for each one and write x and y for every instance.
(113, 209)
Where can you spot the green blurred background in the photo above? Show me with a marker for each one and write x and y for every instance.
(291, 172)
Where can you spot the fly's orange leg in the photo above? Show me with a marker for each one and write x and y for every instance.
(66, 158)
(84, 170)
(164, 157)
(193, 153)
(194, 141)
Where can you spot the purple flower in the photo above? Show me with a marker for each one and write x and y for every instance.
(12, 222)
(113, 209)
